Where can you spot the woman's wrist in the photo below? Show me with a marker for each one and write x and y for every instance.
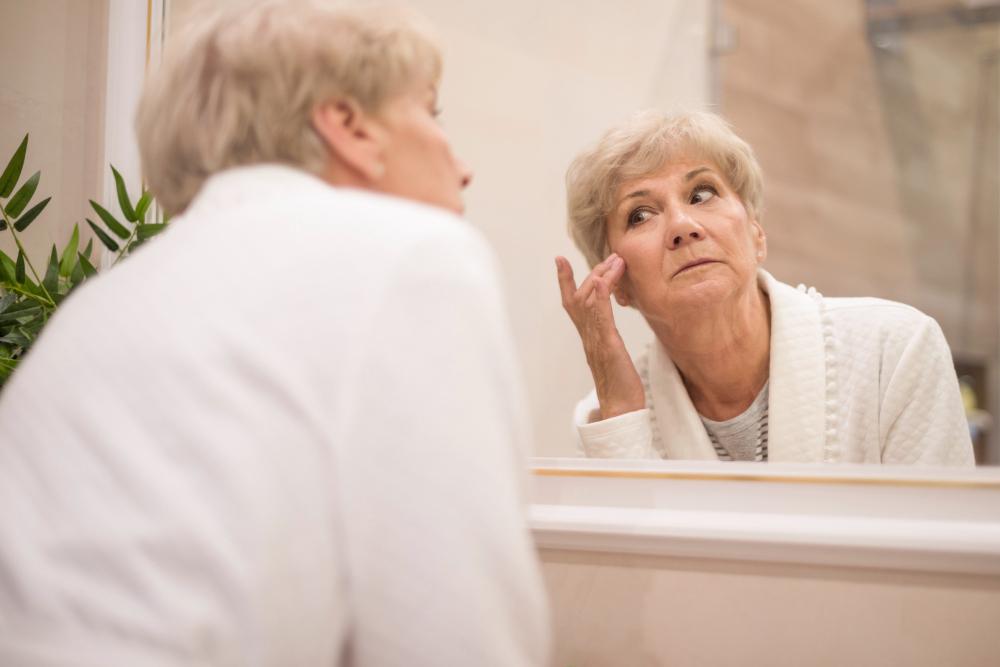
(611, 410)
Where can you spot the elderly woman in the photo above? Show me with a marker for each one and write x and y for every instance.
(667, 211)
(287, 431)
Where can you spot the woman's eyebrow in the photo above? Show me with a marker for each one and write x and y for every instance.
(691, 174)
(632, 195)
(637, 193)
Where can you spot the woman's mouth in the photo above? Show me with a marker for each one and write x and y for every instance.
(694, 263)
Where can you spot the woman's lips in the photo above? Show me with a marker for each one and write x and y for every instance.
(691, 265)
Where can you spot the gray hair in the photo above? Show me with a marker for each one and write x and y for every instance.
(240, 86)
(638, 148)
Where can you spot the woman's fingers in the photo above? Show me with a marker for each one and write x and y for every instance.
(619, 389)
(571, 294)
(614, 273)
(596, 276)
(589, 305)
(604, 286)
(567, 285)
(594, 293)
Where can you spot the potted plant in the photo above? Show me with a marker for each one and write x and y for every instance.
(28, 298)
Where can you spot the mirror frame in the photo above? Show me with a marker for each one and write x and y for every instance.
(888, 517)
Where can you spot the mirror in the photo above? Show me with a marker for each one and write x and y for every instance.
(875, 123)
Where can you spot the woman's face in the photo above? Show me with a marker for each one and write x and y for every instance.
(686, 239)
(417, 156)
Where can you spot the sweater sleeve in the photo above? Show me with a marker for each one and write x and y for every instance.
(921, 419)
(441, 565)
(627, 436)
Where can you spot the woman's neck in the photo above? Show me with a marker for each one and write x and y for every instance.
(722, 351)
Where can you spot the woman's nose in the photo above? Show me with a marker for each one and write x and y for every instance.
(683, 231)
(464, 173)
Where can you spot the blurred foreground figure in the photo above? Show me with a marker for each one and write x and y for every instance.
(288, 431)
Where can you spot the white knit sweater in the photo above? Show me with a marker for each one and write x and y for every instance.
(857, 380)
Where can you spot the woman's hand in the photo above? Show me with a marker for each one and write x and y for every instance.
(619, 389)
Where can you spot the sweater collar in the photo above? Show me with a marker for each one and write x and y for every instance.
(797, 395)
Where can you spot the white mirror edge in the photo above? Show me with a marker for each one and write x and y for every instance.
(896, 518)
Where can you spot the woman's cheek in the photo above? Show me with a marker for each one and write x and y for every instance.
(631, 248)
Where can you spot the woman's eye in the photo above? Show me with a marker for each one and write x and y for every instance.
(639, 216)
(702, 194)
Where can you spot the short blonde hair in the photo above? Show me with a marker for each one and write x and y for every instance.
(638, 148)
(239, 87)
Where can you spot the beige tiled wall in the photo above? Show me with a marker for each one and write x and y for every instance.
(881, 174)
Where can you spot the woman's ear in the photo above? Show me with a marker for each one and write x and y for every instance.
(759, 241)
(354, 141)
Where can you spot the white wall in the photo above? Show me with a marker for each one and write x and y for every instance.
(526, 85)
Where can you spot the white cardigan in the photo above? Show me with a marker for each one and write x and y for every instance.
(857, 380)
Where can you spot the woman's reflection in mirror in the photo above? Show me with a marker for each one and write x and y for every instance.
(667, 210)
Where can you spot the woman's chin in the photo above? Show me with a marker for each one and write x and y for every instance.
(700, 291)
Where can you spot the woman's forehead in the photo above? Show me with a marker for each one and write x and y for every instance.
(674, 170)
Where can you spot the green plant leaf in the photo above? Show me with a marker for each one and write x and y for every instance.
(143, 205)
(6, 267)
(22, 223)
(19, 268)
(108, 242)
(13, 170)
(15, 339)
(144, 232)
(69, 253)
(35, 324)
(76, 276)
(116, 227)
(21, 316)
(6, 301)
(89, 249)
(51, 279)
(123, 200)
(88, 268)
(3, 225)
(25, 304)
(31, 291)
(7, 367)
(23, 196)
(23, 309)
(26, 336)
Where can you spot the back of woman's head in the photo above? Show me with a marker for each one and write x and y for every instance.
(238, 87)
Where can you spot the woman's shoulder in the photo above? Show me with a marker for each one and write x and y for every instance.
(880, 322)
(873, 311)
